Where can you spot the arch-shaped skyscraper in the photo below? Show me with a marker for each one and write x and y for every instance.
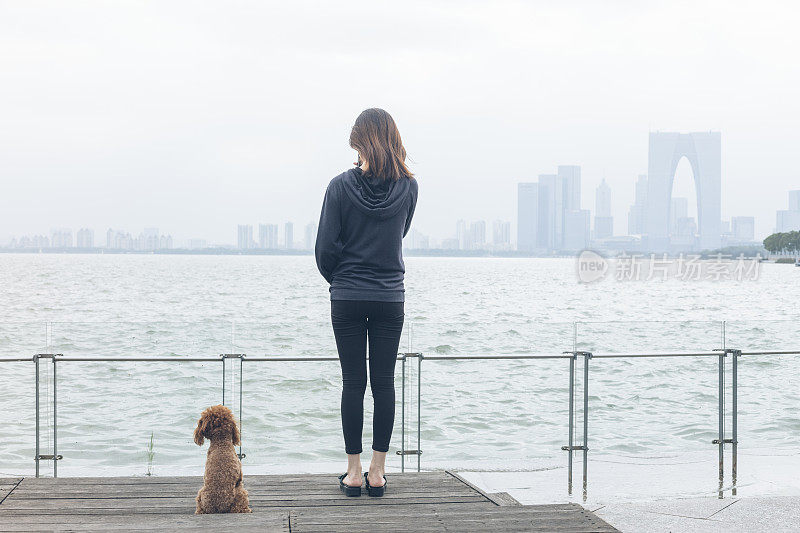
(703, 151)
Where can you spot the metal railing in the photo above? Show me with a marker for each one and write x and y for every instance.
(570, 356)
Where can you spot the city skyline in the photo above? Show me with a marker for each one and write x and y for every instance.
(550, 215)
(465, 234)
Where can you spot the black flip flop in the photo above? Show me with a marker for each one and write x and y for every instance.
(375, 491)
(348, 490)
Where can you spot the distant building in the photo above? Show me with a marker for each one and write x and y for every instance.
(743, 229)
(37, 242)
(268, 236)
(570, 178)
(310, 239)
(197, 244)
(501, 234)
(685, 227)
(85, 238)
(416, 240)
(789, 220)
(245, 237)
(603, 221)
(551, 212)
(527, 216)
(463, 236)
(477, 234)
(576, 229)
(450, 244)
(636, 214)
(149, 239)
(703, 152)
(288, 235)
(61, 238)
(794, 200)
(121, 240)
(543, 209)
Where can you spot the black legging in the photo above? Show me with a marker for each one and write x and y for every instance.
(353, 322)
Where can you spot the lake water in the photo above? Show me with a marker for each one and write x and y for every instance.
(474, 414)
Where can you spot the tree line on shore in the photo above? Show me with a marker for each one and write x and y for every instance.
(788, 242)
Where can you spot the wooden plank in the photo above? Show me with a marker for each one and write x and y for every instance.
(255, 494)
(8, 486)
(539, 518)
(251, 481)
(166, 490)
(427, 480)
(502, 499)
(411, 477)
(182, 506)
(269, 522)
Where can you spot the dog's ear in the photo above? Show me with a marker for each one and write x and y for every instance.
(235, 435)
(200, 430)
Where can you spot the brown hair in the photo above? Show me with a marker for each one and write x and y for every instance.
(377, 140)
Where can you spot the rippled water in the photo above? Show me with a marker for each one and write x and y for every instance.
(504, 413)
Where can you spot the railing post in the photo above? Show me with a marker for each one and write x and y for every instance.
(586, 357)
(570, 447)
(36, 458)
(55, 420)
(403, 416)
(721, 415)
(721, 441)
(571, 424)
(241, 420)
(222, 358)
(39, 455)
(419, 410)
(402, 452)
(734, 422)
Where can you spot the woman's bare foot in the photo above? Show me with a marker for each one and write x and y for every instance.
(377, 469)
(353, 477)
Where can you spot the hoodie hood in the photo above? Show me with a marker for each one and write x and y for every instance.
(380, 198)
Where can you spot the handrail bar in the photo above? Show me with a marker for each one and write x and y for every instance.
(444, 357)
(440, 357)
(654, 354)
(298, 358)
(156, 359)
(773, 352)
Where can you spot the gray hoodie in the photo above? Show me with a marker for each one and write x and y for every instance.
(360, 236)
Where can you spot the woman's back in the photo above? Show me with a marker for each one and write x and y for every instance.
(359, 241)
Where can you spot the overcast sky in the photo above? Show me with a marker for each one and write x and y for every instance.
(195, 116)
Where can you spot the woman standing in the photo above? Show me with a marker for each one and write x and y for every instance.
(365, 215)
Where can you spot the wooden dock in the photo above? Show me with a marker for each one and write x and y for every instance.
(428, 501)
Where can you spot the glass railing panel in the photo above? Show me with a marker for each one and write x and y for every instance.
(483, 412)
(108, 412)
(19, 339)
(291, 417)
(768, 396)
(650, 407)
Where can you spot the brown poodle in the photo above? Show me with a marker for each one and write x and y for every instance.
(222, 490)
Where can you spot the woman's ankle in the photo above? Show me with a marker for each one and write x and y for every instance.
(354, 464)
